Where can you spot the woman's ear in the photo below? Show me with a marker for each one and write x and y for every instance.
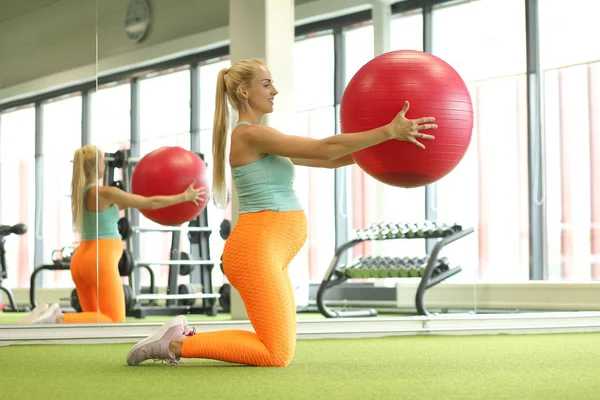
(242, 93)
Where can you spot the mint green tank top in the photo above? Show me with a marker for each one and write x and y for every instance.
(108, 219)
(266, 184)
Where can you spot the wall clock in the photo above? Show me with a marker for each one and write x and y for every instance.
(137, 20)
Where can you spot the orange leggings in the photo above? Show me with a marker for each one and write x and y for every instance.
(255, 261)
(101, 299)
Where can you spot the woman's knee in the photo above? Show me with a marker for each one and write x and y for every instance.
(110, 319)
(282, 357)
(281, 362)
(114, 312)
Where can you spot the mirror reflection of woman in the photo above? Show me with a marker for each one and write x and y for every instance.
(95, 263)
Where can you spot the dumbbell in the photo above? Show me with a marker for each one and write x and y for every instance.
(225, 229)
(383, 267)
(127, 292)
(449, 229)
(148, 290)
(363, 234)
(350, 270)
(225, 299)
(442, 265)
(124, 228)
(186, 288)
(185, 269)
(118, 158)
(118, 184)
(126, 263)
(63, 255)
(353, 271)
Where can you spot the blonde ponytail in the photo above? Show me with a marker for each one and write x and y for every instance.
(228, 82)
(86, 162)
(221, 122)
(77, 184)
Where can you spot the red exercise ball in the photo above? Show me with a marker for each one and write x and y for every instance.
(377, 92)
(168, 171)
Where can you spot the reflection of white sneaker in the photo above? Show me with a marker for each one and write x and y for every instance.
(49, 317)
(156, 346)
(34, 314)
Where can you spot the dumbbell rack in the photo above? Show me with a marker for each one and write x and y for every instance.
(335, 274)
(179, 298)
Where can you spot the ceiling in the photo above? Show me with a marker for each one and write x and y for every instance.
(10, 9)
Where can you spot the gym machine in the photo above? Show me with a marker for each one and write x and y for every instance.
(430, 269)
(6, 230)
(198, 265)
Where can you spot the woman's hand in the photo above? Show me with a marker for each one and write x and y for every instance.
(194, 194)
(405, 129)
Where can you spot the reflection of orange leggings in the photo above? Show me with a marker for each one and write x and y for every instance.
(106, 301)
(255, 261)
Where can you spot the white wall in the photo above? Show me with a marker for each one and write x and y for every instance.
(53, 44)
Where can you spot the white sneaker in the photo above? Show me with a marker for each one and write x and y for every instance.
(48, 317)
(34, 314)
(156, 346)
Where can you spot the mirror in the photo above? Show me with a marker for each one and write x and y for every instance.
(133, 76)
(47, 81)
(142, 105)
(157, 68)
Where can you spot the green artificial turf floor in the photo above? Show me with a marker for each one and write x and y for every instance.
(520, 367)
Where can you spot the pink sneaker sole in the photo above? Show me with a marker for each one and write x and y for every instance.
(49, 316)
(156, 346)
(34, 314)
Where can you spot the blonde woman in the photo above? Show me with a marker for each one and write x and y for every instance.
(271, 227)
(100, 292)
